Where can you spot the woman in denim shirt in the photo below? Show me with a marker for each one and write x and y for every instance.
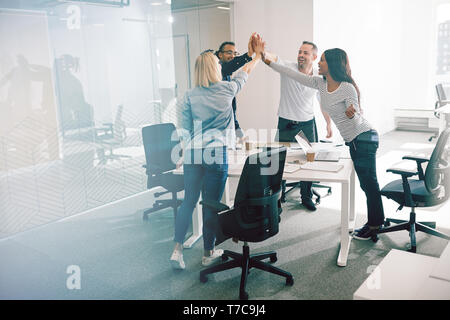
(208, 119)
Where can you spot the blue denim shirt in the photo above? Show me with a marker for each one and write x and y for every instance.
(207, 113)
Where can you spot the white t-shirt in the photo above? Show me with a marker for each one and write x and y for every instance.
(296, 100)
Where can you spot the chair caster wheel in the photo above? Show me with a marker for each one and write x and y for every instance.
(273, 259)
(224, 257)
(243, 295)
(387, 223)
(203, 279)
(290, 281)
(375, 238)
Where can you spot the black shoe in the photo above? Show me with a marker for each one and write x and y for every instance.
(365, 233)
(359, 229)
(309, 204)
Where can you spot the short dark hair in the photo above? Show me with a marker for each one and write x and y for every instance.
(223, 45)
(311, 44)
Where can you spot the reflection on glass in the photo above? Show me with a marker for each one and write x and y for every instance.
(78, 81)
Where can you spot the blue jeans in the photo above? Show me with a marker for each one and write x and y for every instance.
(363, 150)
(208, 174)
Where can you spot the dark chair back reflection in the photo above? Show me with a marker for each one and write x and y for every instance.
(160, 144)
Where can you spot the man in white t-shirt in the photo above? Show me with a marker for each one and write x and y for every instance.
(296, 109)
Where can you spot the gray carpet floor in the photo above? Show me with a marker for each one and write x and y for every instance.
(120, 256)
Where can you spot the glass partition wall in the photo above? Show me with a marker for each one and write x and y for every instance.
(78, 81)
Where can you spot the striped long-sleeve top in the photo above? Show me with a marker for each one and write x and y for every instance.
(334, 103)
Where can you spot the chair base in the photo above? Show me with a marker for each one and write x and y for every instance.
(246, 262)
(412, 226)
(163, 204)
(294, 185)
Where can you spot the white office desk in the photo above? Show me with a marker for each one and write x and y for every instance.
(444, 117)
(346, 177)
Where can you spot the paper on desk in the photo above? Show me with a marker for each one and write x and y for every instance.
(290, 168)
(322, 166)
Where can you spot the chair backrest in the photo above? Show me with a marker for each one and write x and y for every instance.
(440, 94)
(256, 204)
(119, 127)
(160, 140)
(437, 174)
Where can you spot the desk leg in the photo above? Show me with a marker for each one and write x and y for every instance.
(226, 193)
(345, 237)
(197, 225)
(351, 223)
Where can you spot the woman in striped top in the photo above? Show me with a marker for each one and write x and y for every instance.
(339, 97)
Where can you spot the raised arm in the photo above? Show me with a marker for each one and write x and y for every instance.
(240, 78)
(258, 46)
(269, 57)
(231, 66)
(306, 80)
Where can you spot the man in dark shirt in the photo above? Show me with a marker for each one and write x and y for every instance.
(230, 62)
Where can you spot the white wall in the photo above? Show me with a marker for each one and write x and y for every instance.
(390, 44)
(207, 28)
(370, 32)
(284, 25)
(418, 60)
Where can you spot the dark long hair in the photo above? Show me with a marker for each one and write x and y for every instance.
(339, 68)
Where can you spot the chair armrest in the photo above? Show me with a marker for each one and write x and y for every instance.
(417, 159)
(403, 172)
(151, 168)
(215, 205)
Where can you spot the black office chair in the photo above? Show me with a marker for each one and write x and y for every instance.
(431, 189)
(440, 102)
(254, 217)
(159, 142)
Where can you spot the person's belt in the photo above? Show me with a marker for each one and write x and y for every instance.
(298, 122)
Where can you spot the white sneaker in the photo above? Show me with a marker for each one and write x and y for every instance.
(176, 260)
(217, 254)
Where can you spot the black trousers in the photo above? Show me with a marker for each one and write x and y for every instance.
(363, 150)
(287, 130)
